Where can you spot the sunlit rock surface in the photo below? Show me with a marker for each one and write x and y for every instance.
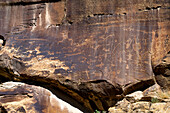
(153, 100)
(73, 43)
(20, 97)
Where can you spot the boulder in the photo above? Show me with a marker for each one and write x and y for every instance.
(151, 100)
(162, 73)
(136, 96)
(22, 98)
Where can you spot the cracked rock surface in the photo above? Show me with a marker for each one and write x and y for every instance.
(162, 73)
(152, 100)
(94, 52)
(22, 98)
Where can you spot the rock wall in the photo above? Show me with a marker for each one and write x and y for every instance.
(89, 49)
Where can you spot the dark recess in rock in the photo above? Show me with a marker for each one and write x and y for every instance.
(162, 73)
(2, 109)
(21, 110)
(151, 8)
(101, 14)
(4, 41)
(25, 3)
(139, 86)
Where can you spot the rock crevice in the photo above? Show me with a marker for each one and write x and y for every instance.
(94, 52)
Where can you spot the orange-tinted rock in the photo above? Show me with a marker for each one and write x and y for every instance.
(109, 45)
(85, 40)
(20, 97)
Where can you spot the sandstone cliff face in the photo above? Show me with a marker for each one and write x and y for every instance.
(94, 51)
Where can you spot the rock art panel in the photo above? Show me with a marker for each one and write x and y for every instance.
(84, 41)
(109, 45)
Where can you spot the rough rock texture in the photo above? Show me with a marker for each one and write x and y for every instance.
(22, 98)
(162, 73)
(153, 100)
(93, 51)
(143, 107)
